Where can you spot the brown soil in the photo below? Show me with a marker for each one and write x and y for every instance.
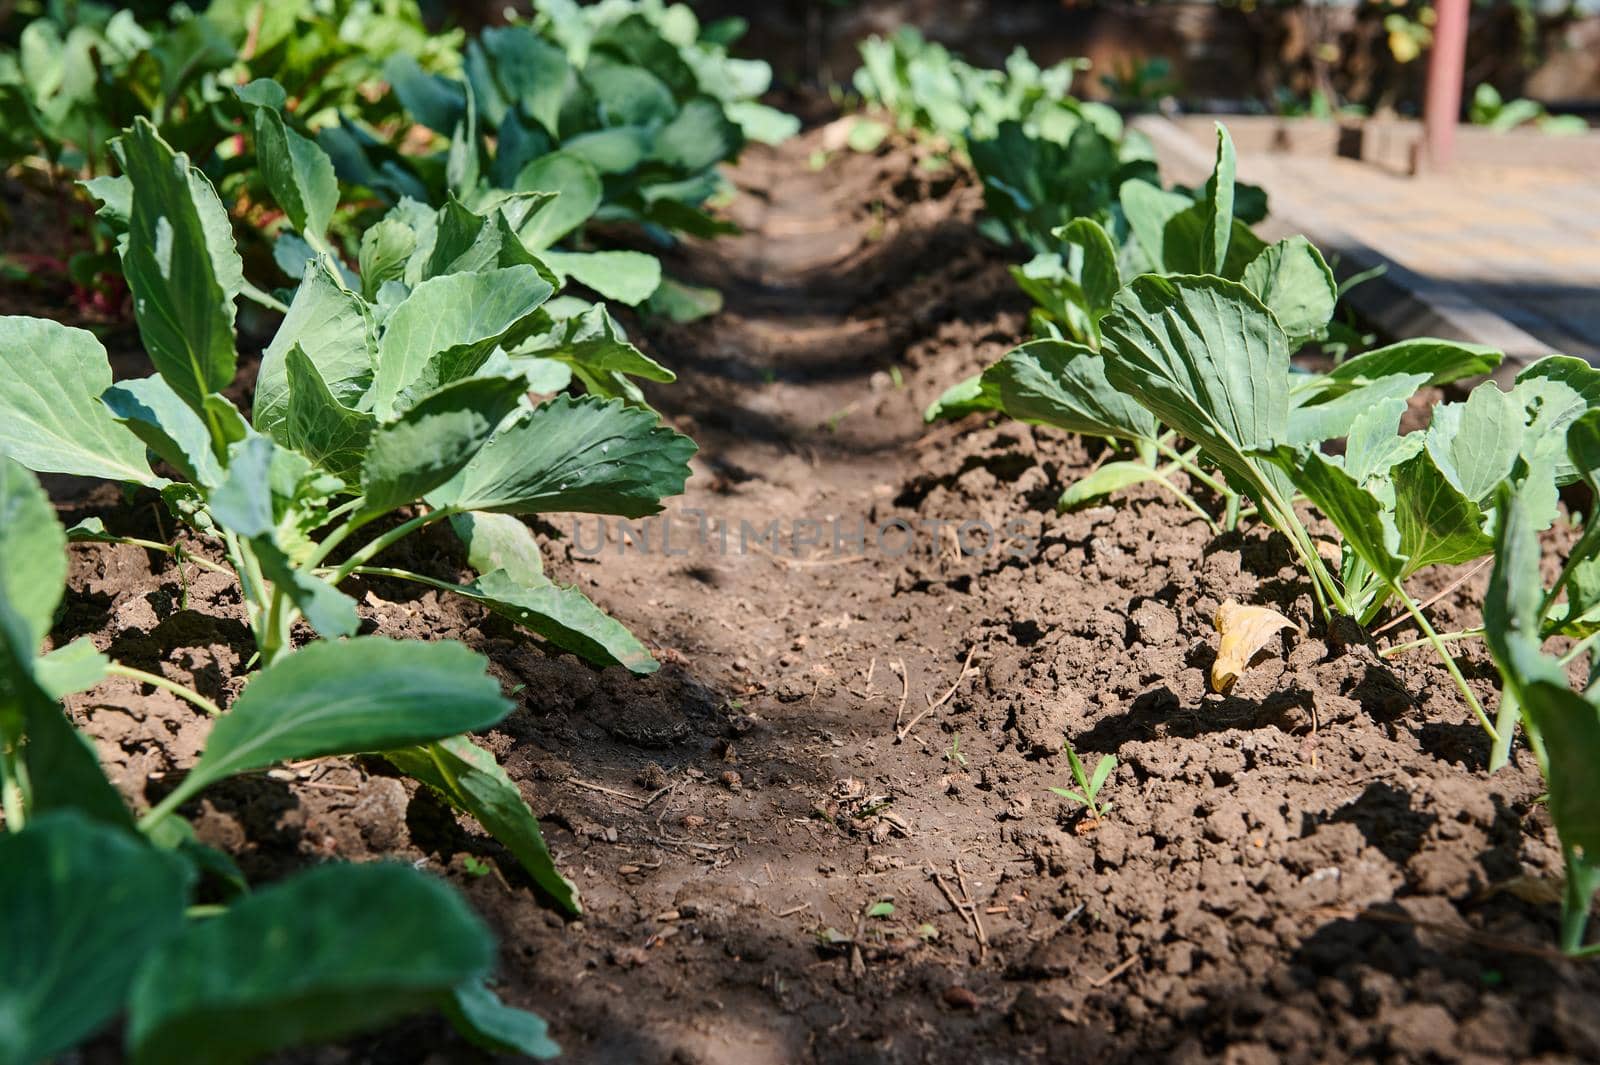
(1315, 867)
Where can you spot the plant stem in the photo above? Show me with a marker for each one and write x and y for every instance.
(158, 813)
(1584, 548)
(338, 536)
(1505, 723)
(346, 507)
(13, 790)
(255, 590)
(403, 575)
(276, 628)
(267, 300)
(253, 595)
(1449, 663)
(154, 680)
(1188, 501)
(1580, 647)
(1230, 513)
(1443, 637)
(1282, 517)
(1583, 879)
(170, 549)
(394, 535)
(1182, 461)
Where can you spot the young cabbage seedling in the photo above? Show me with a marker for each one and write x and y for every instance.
(925, 87)
(1063, 378)
(1088, 793)
(335, 950)
(625, 109)
(393, 414)
(1561, 721)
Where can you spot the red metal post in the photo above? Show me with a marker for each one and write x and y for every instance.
(1446, 61)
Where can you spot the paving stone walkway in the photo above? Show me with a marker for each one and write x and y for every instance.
(1507, 256)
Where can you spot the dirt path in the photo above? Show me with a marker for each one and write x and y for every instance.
(1301, 870)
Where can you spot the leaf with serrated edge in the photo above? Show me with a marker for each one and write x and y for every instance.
(333, 327)
(431, 441)
(581, 455)
(592, 341)
(1438, 524)
(1475, 444)
(1374, 444)
(1555, 391)
(448, 326)
(1316, 422)
(321, 428)
(1292, 279)
(1059, 383)
(1205, 357)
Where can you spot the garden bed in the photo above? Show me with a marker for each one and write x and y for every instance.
(1312, 867)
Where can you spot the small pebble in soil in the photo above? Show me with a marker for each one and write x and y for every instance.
(959, 998)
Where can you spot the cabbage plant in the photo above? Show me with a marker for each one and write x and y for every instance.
(1561, 717)
(361, 410)
(925, 87)
(625, 109)
(370, 422)
(101, 910)
(411, 243)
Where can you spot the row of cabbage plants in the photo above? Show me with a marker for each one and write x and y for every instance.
(426, 230)
(1166, 326)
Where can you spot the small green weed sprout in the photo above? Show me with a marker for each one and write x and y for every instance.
(954, 753)
(1088, 795)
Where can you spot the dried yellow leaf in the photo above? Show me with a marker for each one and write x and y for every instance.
(1245, 630)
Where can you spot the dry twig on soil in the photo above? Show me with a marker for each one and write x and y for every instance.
(901, 733)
